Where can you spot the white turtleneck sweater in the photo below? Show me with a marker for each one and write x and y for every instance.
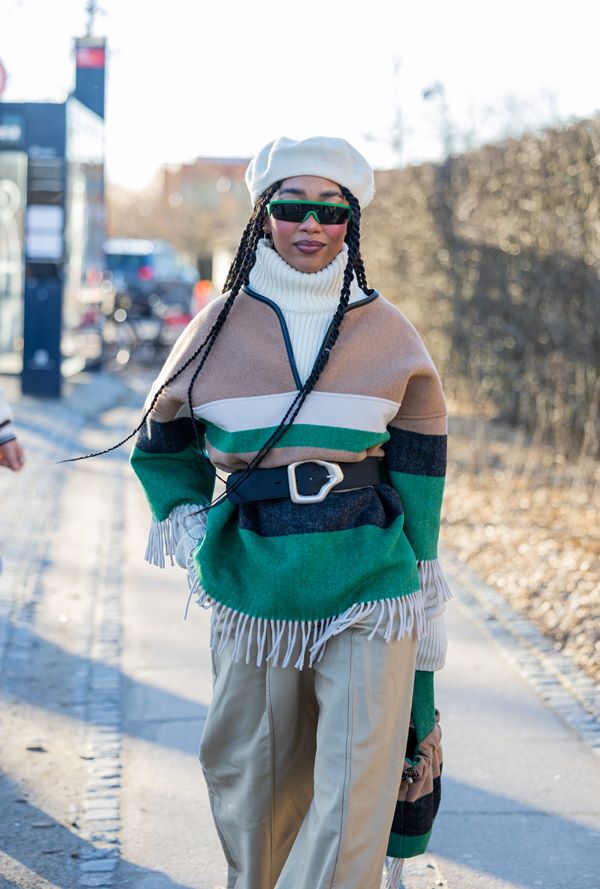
(307, 300)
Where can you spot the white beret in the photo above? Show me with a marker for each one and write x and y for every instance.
(324, 156)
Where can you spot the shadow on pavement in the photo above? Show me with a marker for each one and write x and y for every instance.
(43, 681)
(34, 845)
(497, 835)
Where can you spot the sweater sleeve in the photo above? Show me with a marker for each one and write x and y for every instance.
(420, 788)
(172, 467)
(176, 477)
(415, 458)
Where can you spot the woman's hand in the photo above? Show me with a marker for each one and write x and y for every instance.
(12, 455)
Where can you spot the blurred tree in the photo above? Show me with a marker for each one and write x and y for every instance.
(495, 255)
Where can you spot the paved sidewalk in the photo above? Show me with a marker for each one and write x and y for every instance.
(106, 688)
(167, 825)
(521, 787)
(59, 640)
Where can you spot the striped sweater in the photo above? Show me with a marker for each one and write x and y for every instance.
(274, 571)
(380, 395)
(308, 303)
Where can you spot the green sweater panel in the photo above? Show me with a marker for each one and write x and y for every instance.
(171, 479)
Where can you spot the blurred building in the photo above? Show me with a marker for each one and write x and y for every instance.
(208, 203)
(52, 220)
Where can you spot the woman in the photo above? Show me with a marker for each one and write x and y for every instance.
(319, 560)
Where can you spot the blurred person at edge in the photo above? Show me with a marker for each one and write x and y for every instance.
(321, 748)
(12, 454)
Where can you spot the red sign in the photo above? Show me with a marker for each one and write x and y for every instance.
(3, 78)
(90, 57)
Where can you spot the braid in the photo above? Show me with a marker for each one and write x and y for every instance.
(361, 275)
(238, 275)
(246, 252)
(235, 265)
(354, 262)
(149, 410)
(236, 278)
(354, 231)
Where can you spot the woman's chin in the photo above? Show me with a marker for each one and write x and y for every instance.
(308, 262)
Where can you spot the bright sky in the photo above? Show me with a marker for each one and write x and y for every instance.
(191, 77)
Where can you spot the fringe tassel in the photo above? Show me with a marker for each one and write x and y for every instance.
(162, 538)
(161, 543)
(259, 640)
(393, 872)
(195, 588)
(434, 587)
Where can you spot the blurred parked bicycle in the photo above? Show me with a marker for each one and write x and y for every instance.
(152, 299)
(140, 307)
(129, 335)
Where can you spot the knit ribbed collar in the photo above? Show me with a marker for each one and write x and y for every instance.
(294, 291)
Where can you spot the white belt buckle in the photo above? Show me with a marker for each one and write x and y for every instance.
(335, 477)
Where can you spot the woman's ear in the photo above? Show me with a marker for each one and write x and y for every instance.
(268, 232)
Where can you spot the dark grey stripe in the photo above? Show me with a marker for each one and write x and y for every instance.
(166, 438)
(379, 506)
(416, 453)
(416, 819)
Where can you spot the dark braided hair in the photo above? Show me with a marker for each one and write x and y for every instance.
(238, 276)
(354, 265)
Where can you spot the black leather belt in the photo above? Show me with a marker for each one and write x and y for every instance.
(307, 481)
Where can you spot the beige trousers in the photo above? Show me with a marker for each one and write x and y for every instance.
(303, 767)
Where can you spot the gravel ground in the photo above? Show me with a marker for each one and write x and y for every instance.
(528, 523)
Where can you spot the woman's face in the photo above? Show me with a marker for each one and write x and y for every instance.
(307, 246)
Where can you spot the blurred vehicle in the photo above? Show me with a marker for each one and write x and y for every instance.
(144, 273)
(152, 298)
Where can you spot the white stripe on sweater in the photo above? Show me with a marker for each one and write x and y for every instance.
(342, 411)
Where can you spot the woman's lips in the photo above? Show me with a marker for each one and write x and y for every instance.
(308, 246)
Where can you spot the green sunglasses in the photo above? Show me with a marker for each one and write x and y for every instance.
(324, 212)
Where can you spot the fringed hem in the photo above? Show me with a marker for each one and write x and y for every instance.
(434, 587)
(162, 537)
(294, 640)
(393, 872)
(195, 588)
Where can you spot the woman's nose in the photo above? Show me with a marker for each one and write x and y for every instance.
(311, 223)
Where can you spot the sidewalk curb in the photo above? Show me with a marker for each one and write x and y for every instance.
(101, 823)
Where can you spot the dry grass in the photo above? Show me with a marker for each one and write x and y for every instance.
(529, 523)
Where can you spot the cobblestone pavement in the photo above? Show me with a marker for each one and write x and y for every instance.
(104, 691)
